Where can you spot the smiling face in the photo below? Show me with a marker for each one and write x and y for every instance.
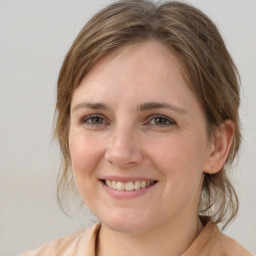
(138, 140)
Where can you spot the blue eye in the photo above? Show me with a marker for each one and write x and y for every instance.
(94, 120)
(161, 120)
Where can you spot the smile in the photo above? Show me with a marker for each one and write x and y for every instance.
(128, 186)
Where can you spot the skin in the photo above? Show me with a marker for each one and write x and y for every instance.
(167, 144)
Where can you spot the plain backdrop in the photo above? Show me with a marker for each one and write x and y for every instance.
(34, 38)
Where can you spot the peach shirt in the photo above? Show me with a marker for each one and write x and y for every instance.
(210, 242)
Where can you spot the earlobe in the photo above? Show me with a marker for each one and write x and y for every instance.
(220, 147)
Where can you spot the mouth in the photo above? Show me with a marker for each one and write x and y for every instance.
(129, 185)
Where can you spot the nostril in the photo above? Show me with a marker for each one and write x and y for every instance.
(122, 156)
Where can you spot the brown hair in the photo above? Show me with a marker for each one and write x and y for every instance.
(209, 70)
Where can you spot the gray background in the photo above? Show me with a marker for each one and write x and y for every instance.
(34, 37)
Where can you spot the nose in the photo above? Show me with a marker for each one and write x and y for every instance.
(123, 150)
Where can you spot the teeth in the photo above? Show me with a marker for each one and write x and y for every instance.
(119, 185)
(114, 186)
(143, 184)
(137, 185)
(109, 183)
(128, 186)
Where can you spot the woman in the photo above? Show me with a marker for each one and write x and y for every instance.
(147, 121)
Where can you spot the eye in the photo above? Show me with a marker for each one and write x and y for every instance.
(94, 120)
(161, 120)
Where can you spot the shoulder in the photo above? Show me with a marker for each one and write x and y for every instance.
(230, 247)
(212, 242)
(83, 241)
(221, 244)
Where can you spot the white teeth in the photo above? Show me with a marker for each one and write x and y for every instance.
(109, 183)
(128, 186)
(143, 184)
(113, 184)
(137, 185)
(119, 185)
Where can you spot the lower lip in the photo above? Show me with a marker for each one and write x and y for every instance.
(122, 194)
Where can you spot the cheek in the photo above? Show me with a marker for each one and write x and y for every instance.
(83, 160)
(177, 150)
(84, 156)
(180, 158)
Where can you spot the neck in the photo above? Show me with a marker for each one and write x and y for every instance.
(170, 239)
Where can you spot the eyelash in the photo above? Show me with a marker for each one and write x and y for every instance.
(89, 120)
(168, 121)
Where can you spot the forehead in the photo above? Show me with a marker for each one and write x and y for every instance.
(141, 60)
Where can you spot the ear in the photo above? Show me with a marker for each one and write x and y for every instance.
(219, 148)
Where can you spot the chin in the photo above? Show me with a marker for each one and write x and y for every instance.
(129, 228)
(127, 222)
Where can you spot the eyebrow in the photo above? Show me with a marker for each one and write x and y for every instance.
(158, 105)
(143, 107)
(96, 106)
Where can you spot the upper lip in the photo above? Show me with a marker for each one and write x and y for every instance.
(126, 179)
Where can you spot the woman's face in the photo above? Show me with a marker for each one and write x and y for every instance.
(138, 140)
